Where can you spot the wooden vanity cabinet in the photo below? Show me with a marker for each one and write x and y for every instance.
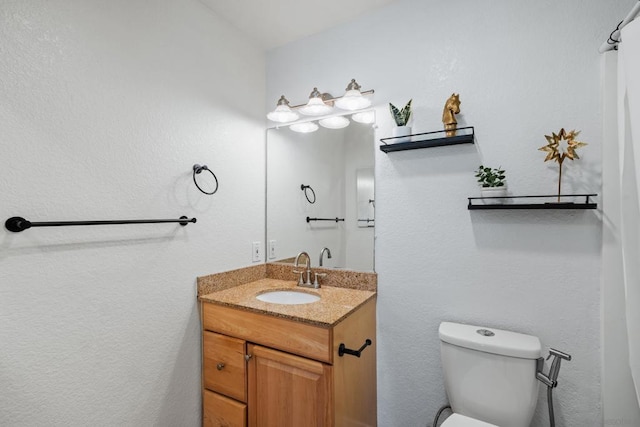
(290, 374)
(287, 390)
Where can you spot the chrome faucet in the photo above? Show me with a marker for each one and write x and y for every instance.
(307, 269)
(322, 253)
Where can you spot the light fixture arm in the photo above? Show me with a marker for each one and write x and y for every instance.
(328, 98)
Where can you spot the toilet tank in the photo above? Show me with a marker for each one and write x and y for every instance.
(490, 374)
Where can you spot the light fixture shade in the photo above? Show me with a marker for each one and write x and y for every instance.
(283, 113)
(366, 117)
(353, 99)
(316, 106)
(306, 127)
(337, 122)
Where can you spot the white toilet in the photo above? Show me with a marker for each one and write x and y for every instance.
(489, 375)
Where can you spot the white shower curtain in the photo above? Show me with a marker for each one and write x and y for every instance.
(629, 146)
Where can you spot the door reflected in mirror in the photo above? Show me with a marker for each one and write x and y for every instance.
(338, 166)
(365, 197)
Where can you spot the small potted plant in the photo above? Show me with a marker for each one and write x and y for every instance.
(401, 117)
(492, 183)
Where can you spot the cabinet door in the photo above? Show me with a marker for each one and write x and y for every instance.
(220, 411)
(224, 365)
(287, 390)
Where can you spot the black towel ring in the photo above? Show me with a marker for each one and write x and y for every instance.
(196, 170)
(304, 188)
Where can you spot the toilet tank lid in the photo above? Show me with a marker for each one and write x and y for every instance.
(490, 340)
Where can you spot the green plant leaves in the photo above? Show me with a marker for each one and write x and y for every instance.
(395, 113)
(401, 117)
(490, 177)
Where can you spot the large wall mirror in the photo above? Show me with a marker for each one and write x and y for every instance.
(314, 179)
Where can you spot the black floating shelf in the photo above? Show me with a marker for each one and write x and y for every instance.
(505, 202)
(427, 140)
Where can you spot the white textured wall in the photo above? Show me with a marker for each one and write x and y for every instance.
(105, 106)
(523, 69)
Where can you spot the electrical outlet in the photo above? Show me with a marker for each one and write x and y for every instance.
(256, 252)
(272, 249)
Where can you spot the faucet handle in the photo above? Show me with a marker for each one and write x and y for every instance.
(300, 281)
(316, 275)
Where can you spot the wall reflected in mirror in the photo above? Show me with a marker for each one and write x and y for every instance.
(366, 197)
(338, 164)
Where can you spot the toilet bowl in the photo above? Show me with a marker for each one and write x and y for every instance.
(489, 375)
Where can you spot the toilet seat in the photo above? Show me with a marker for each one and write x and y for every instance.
(457, 420)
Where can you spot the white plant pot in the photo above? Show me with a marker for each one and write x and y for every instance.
(494, 192)
(401, 131)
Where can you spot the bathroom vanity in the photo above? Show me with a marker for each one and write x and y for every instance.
(269, 364)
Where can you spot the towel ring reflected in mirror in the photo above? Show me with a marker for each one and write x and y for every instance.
(197, 169)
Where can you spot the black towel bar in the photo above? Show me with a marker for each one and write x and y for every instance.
(336, 219)
(17, 224)
(342, 350)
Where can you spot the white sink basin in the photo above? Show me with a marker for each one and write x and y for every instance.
(288, 297)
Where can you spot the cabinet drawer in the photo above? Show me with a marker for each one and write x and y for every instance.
(220, 411)
(225, 368)
(294, 337)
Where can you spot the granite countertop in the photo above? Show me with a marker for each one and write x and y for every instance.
(334, 305)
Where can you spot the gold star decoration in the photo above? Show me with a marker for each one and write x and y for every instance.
(556, 150)
(558, 153)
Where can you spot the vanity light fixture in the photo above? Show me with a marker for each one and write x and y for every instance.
(283, 112)
(304, 127)
(366, 117)
(321, 104)
(353, 99)
(336, 122)
(316, 105)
